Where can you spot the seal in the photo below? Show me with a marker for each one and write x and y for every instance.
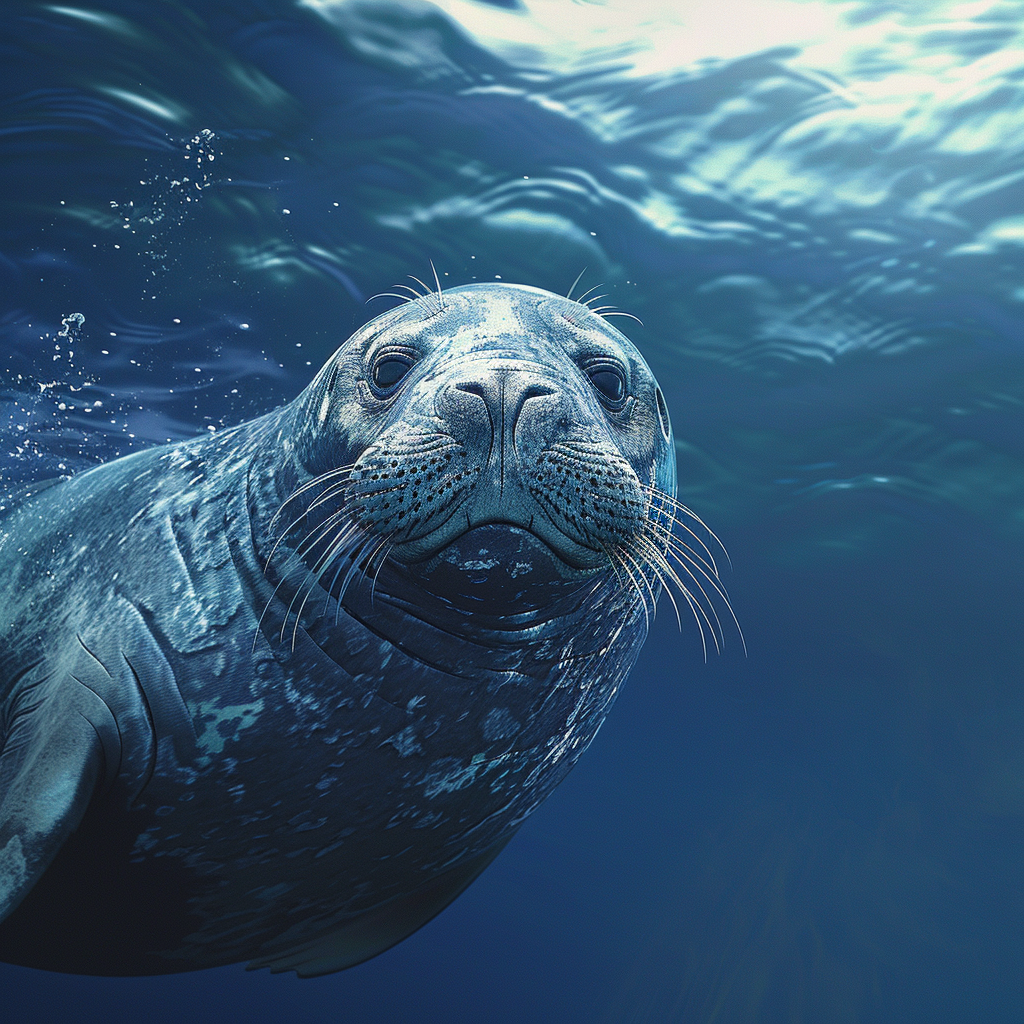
(278, 694)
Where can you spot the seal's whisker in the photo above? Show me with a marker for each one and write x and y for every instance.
(319, 479)
(422, 297)
(342, 556)
(630, 584)
(664, 532)
(263, 614)
(428, 292)
(694, 607)
(277, 515)
(383, 559)
(329, 494)
(644, 580)
(658, 558)
(581, 299)
(368, 562)
(699, 615)
(698, 610)
(683, 554)
(317, 572)
(299, 546)
(678, 507)
(280, 540)
(667, 502)
(291, 604)
(295, 554)
(683, 557)
(593, 298)
(576, 282)
(612, 559)
(414, 293)
(616, 562)
(356, 555)
(672, 598)
(308, 485)
(660, 555)
(390, 295)
(710, 604)
(639, 591)
(620, 312)
(665, 535)
(342, 542)
(667, 589)
(437, 281)
(313, 537)
(334, 553)
(671, 499)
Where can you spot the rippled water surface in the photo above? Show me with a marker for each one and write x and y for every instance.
(817, 211)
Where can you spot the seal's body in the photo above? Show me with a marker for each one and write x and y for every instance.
(280, 693)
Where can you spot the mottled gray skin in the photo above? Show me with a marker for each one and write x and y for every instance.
(192, 775)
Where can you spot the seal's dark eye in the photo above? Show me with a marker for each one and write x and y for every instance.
(609, 381)
(389, 371)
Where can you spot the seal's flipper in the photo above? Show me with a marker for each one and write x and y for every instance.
(380, 928)
(57, 744)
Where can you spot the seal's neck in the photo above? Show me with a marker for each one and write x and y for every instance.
(275, 475)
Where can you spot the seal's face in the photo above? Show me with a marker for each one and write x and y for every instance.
(494, 406)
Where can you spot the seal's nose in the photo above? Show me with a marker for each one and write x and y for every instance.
(504, 395)
(491, 422)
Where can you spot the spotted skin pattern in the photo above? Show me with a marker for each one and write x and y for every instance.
(279, 694)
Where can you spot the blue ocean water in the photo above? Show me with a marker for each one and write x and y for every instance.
(817, 210)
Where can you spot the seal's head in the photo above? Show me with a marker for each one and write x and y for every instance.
(493, 419)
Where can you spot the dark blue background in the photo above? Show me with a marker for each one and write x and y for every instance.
(827, 258)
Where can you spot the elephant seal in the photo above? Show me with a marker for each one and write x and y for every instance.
(278, 694)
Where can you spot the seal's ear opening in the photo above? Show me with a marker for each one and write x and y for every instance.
(666, 425)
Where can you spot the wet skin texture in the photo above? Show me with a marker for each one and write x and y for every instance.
(280, 693)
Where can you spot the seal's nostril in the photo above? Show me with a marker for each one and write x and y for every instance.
(473, 387)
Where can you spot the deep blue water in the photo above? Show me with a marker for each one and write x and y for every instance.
(817, 210)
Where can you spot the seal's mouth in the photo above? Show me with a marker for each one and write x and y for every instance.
(518, 548)
(500, 565)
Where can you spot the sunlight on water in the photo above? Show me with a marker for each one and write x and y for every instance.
(644, 37)
(752, 124)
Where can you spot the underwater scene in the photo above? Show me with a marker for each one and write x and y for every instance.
(813, 213)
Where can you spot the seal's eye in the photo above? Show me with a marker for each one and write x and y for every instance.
(388, 371)
(610, 383)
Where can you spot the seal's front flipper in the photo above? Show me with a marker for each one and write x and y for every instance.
(378, 929)
(57, 744)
